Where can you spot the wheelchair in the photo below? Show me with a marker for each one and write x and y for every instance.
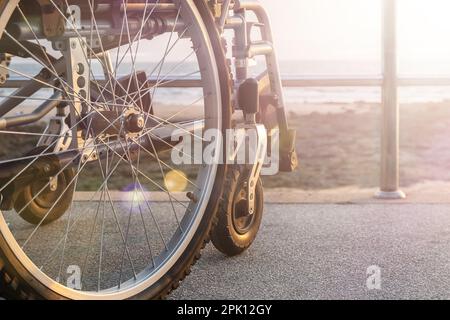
(97, 99)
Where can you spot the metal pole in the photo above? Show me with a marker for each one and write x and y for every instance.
(389, 188)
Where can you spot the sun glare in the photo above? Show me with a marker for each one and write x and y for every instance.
(176, 181)
(333, 30)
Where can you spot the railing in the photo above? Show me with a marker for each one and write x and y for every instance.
(389, 82)
(298, 82)
(390, 130)
(308, 82)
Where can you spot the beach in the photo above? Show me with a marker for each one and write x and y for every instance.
(338, 146)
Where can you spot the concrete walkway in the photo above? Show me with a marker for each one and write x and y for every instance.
(317, 251)
(320, 246)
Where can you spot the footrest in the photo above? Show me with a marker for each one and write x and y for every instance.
(288, 154)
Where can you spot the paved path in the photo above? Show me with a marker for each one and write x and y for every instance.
(314, 251)
(322, 251)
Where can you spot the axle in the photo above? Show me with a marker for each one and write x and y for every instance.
(159, 138)
(17, 174)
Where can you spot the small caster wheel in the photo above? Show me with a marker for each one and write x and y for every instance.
(36, 209)
(237, 228)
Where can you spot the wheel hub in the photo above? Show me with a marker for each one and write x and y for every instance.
(47, 197)
(242, 219)
(129, 114)
(126, 122)
(135, 123)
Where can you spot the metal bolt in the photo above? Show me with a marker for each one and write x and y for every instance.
(135, 123)
(141, 122)
(191, 196)
(53, 184)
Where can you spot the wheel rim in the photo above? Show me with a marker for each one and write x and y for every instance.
(187, 224)
(242, 220)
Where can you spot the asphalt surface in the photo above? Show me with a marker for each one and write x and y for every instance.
(320, 251)
(324, 251)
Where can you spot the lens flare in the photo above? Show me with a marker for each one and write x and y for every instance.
(134, 195)
(176, 181)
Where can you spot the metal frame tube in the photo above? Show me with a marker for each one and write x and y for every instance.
(273, 68)
(305, 82)
(27, 89)
(129, 7)
(38, 114)
(389, 175)
(7, 8)
(21, 30)
(261, 48)
(225, 11)
(240, 47)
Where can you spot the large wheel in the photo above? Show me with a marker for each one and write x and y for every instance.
(137, 221)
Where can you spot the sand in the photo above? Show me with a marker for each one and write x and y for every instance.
(341, 149)
(339, 146)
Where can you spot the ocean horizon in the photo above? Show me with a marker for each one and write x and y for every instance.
(295, 69)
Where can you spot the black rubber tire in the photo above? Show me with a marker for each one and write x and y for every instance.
(36, 210)
(225, 236)
(17, 283)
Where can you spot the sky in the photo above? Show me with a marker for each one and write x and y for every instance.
(351, 29)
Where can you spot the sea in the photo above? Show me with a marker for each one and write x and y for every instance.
(294, 97)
